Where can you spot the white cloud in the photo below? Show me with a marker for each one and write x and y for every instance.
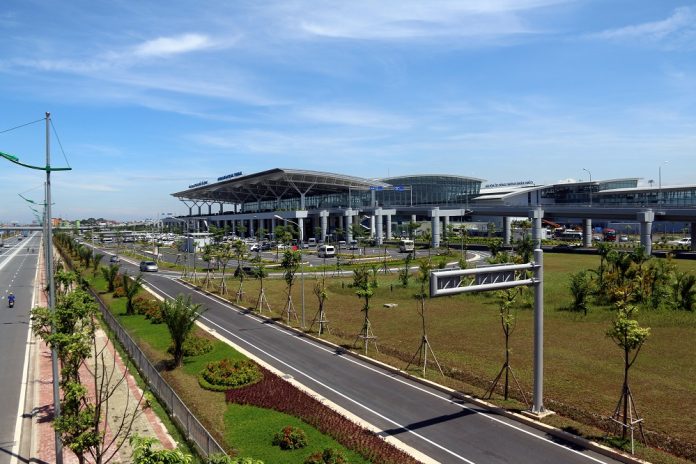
(677, 30)
(410, 19)
(354, 117)
(164, 46)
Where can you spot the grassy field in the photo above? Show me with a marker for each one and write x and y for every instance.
(583, 368)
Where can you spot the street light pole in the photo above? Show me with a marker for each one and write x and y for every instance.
(51, 288)
(588, 171)
(301, 265)
(659, 183)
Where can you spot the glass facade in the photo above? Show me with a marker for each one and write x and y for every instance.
(681, 197)
(428, 190)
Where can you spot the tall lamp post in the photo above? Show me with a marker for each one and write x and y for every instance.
(659, 182)
(301, 265)
(588, 171)
(49, 269)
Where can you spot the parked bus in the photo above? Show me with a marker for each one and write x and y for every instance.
(609, 235)
(406, 246)
(571, 235)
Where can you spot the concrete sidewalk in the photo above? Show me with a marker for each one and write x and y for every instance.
(125, 400)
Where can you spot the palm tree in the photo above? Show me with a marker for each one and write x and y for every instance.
(110, 275)
(95, 263)
(180, 316)
(131, 287)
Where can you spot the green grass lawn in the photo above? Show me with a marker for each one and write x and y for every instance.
(583, 368)
(243, 428)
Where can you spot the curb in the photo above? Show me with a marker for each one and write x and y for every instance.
(553, 431)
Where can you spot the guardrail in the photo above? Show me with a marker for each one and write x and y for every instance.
(178, 411)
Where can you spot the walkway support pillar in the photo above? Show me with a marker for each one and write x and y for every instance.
(300, 224)
(379, 225)
(349, 226)
(372, 226)
(587, 233)
(324, 215)
(435, 226)
(646, 219)
(507, 230)
(389, 227)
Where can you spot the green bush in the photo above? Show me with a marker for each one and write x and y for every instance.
(194, 346)
(142, 304)
(328, 456)
(290, 438)
(154, 314)
(223, 459)
(119, 292)
(225, 374)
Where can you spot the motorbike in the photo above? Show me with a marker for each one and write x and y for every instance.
(10, 303)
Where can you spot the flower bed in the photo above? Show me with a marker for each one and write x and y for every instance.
(275, 393)
(225, 374)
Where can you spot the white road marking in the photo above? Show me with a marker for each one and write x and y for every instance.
(384, 374)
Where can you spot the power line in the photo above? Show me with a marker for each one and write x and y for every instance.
(23, 125)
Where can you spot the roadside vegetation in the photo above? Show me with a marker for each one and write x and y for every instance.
(588, 298)
(203, 370)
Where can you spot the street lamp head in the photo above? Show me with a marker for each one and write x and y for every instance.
(278, 217)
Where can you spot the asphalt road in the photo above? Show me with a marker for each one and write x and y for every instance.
(446, 429)
(17, 274)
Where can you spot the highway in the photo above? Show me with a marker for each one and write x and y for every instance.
(446, 429)
(17, 274)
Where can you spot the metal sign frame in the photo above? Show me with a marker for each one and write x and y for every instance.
(499, 277)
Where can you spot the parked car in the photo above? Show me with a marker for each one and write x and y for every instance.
(254, 248)
(114, 259)
(265, 246)
(682, 241)
(148, 266)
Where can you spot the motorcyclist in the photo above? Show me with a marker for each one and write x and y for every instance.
(11, 299)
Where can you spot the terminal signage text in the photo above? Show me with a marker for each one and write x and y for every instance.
(199, 184)
(230, 176)
(510, 184)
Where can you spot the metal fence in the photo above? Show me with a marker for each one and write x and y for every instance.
(187, 422)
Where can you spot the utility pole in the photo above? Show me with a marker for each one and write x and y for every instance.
(51, 288)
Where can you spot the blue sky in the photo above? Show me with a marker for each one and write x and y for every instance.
(148, 97)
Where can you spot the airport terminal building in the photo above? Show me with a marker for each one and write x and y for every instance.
(328, 205)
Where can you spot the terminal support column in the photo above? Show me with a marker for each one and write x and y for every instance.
(324, 223)
(389, 226)
(507, 230)
(587, 233)
(378, 222)
(300, 223)
(646, 219)
(435, 226)
(349, 226)
(372, 226)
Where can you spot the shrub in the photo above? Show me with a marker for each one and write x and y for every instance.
(225, 374)
(290, 438)
(154, 314)
(223, 459)
(119, 292)
(328, 456)
(194, 346)
(141, 304)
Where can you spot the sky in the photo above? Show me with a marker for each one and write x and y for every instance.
(147, 97)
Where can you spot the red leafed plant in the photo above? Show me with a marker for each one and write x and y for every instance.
(275, 393)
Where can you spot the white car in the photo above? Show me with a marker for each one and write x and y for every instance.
(682, 241)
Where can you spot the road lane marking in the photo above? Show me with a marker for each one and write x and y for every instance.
(387, 375)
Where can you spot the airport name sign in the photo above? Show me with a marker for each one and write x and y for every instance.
(229, 176)
(199, 184)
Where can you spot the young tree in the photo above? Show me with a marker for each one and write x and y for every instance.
(580, 288)
(110, 274)
(95, 263)
(508, 321)
(365, 289)
(225, 252)
(321, 294)
(180, 316)
(240, 251)
(131, 287)
(291, 263)
(422, 353)
(629, 336)
(261, 273)
(208, 256)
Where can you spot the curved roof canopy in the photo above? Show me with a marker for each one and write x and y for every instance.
(275, 184)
